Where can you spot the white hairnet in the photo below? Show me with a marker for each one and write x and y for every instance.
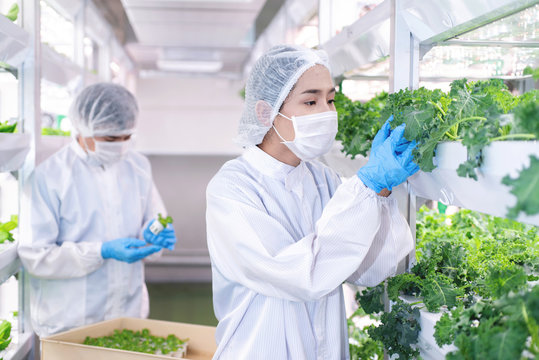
(271, 79)
(104, 109)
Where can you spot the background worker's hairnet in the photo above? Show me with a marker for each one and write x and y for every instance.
(271, 79)
(104, 109)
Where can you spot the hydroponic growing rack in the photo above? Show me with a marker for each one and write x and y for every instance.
(404, 31)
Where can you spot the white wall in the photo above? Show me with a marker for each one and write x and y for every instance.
(186, 126)
(188, 115)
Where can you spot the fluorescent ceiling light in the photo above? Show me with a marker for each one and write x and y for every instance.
(189, 66)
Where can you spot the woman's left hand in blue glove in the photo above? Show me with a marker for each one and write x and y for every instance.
(390, 160)
(166, 238)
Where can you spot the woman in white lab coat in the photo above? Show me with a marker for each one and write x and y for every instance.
(92, 204)
(283, 232)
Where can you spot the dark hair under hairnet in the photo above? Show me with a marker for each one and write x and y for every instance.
(271, 79)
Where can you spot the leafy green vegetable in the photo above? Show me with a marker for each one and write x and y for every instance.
(13, 12)
(358, 123)
(5, 332)
(438, 290)
(362, 347)
(501, 281)
(480, 267)
(528, 70)
(470, 113)
(501, 329)
(525, 187)
(139, 341)
(527, 114)
(51, 131)
(398, 330)
(5, 128)
(6, 228)
(371, 299)
(164, 221)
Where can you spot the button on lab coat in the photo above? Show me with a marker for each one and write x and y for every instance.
(282, 240)
(75, 208)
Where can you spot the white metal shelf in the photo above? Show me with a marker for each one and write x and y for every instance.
(19, 348)
(13, 150)
(487, 194)
(9, 261)
(58, 68)
(14, 42)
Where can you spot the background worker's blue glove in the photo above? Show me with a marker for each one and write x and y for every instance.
(127, 249)
(390, 160)
(166, 238)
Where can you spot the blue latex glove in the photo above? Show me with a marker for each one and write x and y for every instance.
(128, 250)
(166, 238)
(390, 161)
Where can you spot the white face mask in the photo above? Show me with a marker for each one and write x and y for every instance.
(315, 134)
(108, 152)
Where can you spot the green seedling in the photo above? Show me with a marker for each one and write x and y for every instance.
(139, 341)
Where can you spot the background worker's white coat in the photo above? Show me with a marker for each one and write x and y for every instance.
(282, 240)
(75, 208)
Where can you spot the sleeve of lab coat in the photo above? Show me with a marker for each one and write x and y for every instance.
(390, 246)
(308, 268)
(39, 252)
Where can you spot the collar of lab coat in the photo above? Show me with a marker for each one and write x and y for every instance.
(75, 146)
(291, 176)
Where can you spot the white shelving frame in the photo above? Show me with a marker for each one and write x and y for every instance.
(405, 30)
(21, 47)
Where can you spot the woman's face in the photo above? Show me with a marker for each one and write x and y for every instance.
(313, 93)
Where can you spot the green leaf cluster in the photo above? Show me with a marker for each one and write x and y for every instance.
(528, 70)
(505, 328)
(468, 262)
(13, 12)
(164, 221)
(398, 330)
(5, 333)
(525, 188)
(470, 113)
(50, 131)
(7, 128)
(362, 346)
(139, 341)
(358, 122)
(7, 227)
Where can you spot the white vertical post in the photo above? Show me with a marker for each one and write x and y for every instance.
(80, 30)
(30, 116)
(325, 21)
(404, 52)
(104, 59)
(403, 73)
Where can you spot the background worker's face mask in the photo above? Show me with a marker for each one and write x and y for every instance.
(314, 134)
(108, 152)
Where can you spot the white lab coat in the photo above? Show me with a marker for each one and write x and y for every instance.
(282, 240)
(75, 208)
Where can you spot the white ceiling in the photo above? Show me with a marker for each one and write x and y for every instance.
(216, 30)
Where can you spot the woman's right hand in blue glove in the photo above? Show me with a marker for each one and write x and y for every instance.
(166, 238)
(128, 250)
(390, 160)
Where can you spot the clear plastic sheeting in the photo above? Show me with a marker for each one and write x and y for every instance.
(477, 62)
(57, 31)
(522, 26)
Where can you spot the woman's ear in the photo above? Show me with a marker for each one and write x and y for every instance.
(263, 112)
